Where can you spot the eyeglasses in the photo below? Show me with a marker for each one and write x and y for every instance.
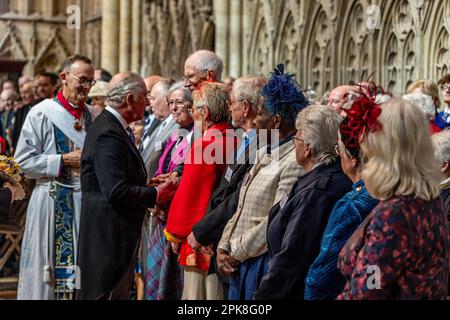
(236, 102)
(445, 88)
(193, 78)
(180, 104)
(295, 140)
(194, 108)
(84, 82)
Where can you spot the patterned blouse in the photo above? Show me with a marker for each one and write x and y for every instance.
(400, 252)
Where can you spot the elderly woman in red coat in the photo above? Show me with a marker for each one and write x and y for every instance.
(203, 170)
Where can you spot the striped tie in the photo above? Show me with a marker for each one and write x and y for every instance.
(131, 135)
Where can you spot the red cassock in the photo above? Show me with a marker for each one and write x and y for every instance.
(203, 169)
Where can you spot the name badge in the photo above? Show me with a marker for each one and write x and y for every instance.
(229, 174)
(246, 179)
(284, 201)
(158, 146)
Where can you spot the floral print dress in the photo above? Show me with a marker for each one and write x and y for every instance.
(400, 252)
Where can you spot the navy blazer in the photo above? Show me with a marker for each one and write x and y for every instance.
(295, 230)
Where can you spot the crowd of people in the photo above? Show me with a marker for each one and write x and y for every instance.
(228, 189)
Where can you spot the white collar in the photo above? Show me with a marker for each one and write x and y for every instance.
(119, 117)
(447, 109)
(167, 120)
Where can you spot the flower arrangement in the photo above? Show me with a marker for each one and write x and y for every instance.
(361, 119)
(281, 91)
(11, 172)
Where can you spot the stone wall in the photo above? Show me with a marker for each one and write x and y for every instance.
(325, 42)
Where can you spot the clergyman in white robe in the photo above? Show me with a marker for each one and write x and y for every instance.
(37, 154)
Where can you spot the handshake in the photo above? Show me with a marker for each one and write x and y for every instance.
(166, 185)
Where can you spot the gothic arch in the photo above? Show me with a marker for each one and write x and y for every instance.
(438, 47)
(355, 54)
(52, 54)
(287, 43)
(319, 50)
(260, 52)
(409, 61)
(11, 45)
(397, 54)
(392, 64)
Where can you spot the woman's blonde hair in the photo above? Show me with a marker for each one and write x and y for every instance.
(400, 157)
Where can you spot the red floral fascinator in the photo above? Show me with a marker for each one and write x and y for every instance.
(362, 118)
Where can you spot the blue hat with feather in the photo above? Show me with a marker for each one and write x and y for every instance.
(283, 95)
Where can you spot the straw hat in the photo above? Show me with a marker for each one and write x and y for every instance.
(100, 89)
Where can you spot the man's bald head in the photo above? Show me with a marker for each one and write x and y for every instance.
(151, 81)
(201, 66)
(7, 99)
(27, 93)
(338, 97)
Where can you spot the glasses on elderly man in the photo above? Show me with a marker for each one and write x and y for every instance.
(295, 140)
(445, 88)
(194, 77)
(83, 81)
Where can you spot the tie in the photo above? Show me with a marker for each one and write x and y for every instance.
(161, 129)
(147, 123)
(131, 135)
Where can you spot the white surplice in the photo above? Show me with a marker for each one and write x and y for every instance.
(36, 153)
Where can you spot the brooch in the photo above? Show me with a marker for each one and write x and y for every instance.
(78, 126)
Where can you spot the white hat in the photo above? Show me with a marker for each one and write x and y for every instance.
(100, 89)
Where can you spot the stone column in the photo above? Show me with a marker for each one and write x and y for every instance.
(49, 8)
(235, 61)
(125, 35)
(136, 35)
(110, 35)
(23, 7)
(78, 32)
(221, 21)
(246, 30)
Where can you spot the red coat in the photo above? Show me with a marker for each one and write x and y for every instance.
(434, 128)
(200, 178)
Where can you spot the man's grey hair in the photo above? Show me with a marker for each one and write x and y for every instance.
(207, 60)
(249, 88)
(441, 143)
(164, 86)
(319, 126)
(117, 95)
(187, 94)
(67, 64)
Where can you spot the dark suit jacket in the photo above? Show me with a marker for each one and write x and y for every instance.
(20, 117)
(224, 202)
(113, 182)
(295, 231)
(5, 200)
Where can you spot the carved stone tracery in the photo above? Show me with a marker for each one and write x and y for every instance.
(325, 42)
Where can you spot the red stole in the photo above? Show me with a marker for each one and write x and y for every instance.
(76, 113)
(199, 180)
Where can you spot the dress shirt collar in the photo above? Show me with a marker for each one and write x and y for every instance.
(119, 117)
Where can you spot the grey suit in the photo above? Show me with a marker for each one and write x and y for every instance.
(153, 147)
